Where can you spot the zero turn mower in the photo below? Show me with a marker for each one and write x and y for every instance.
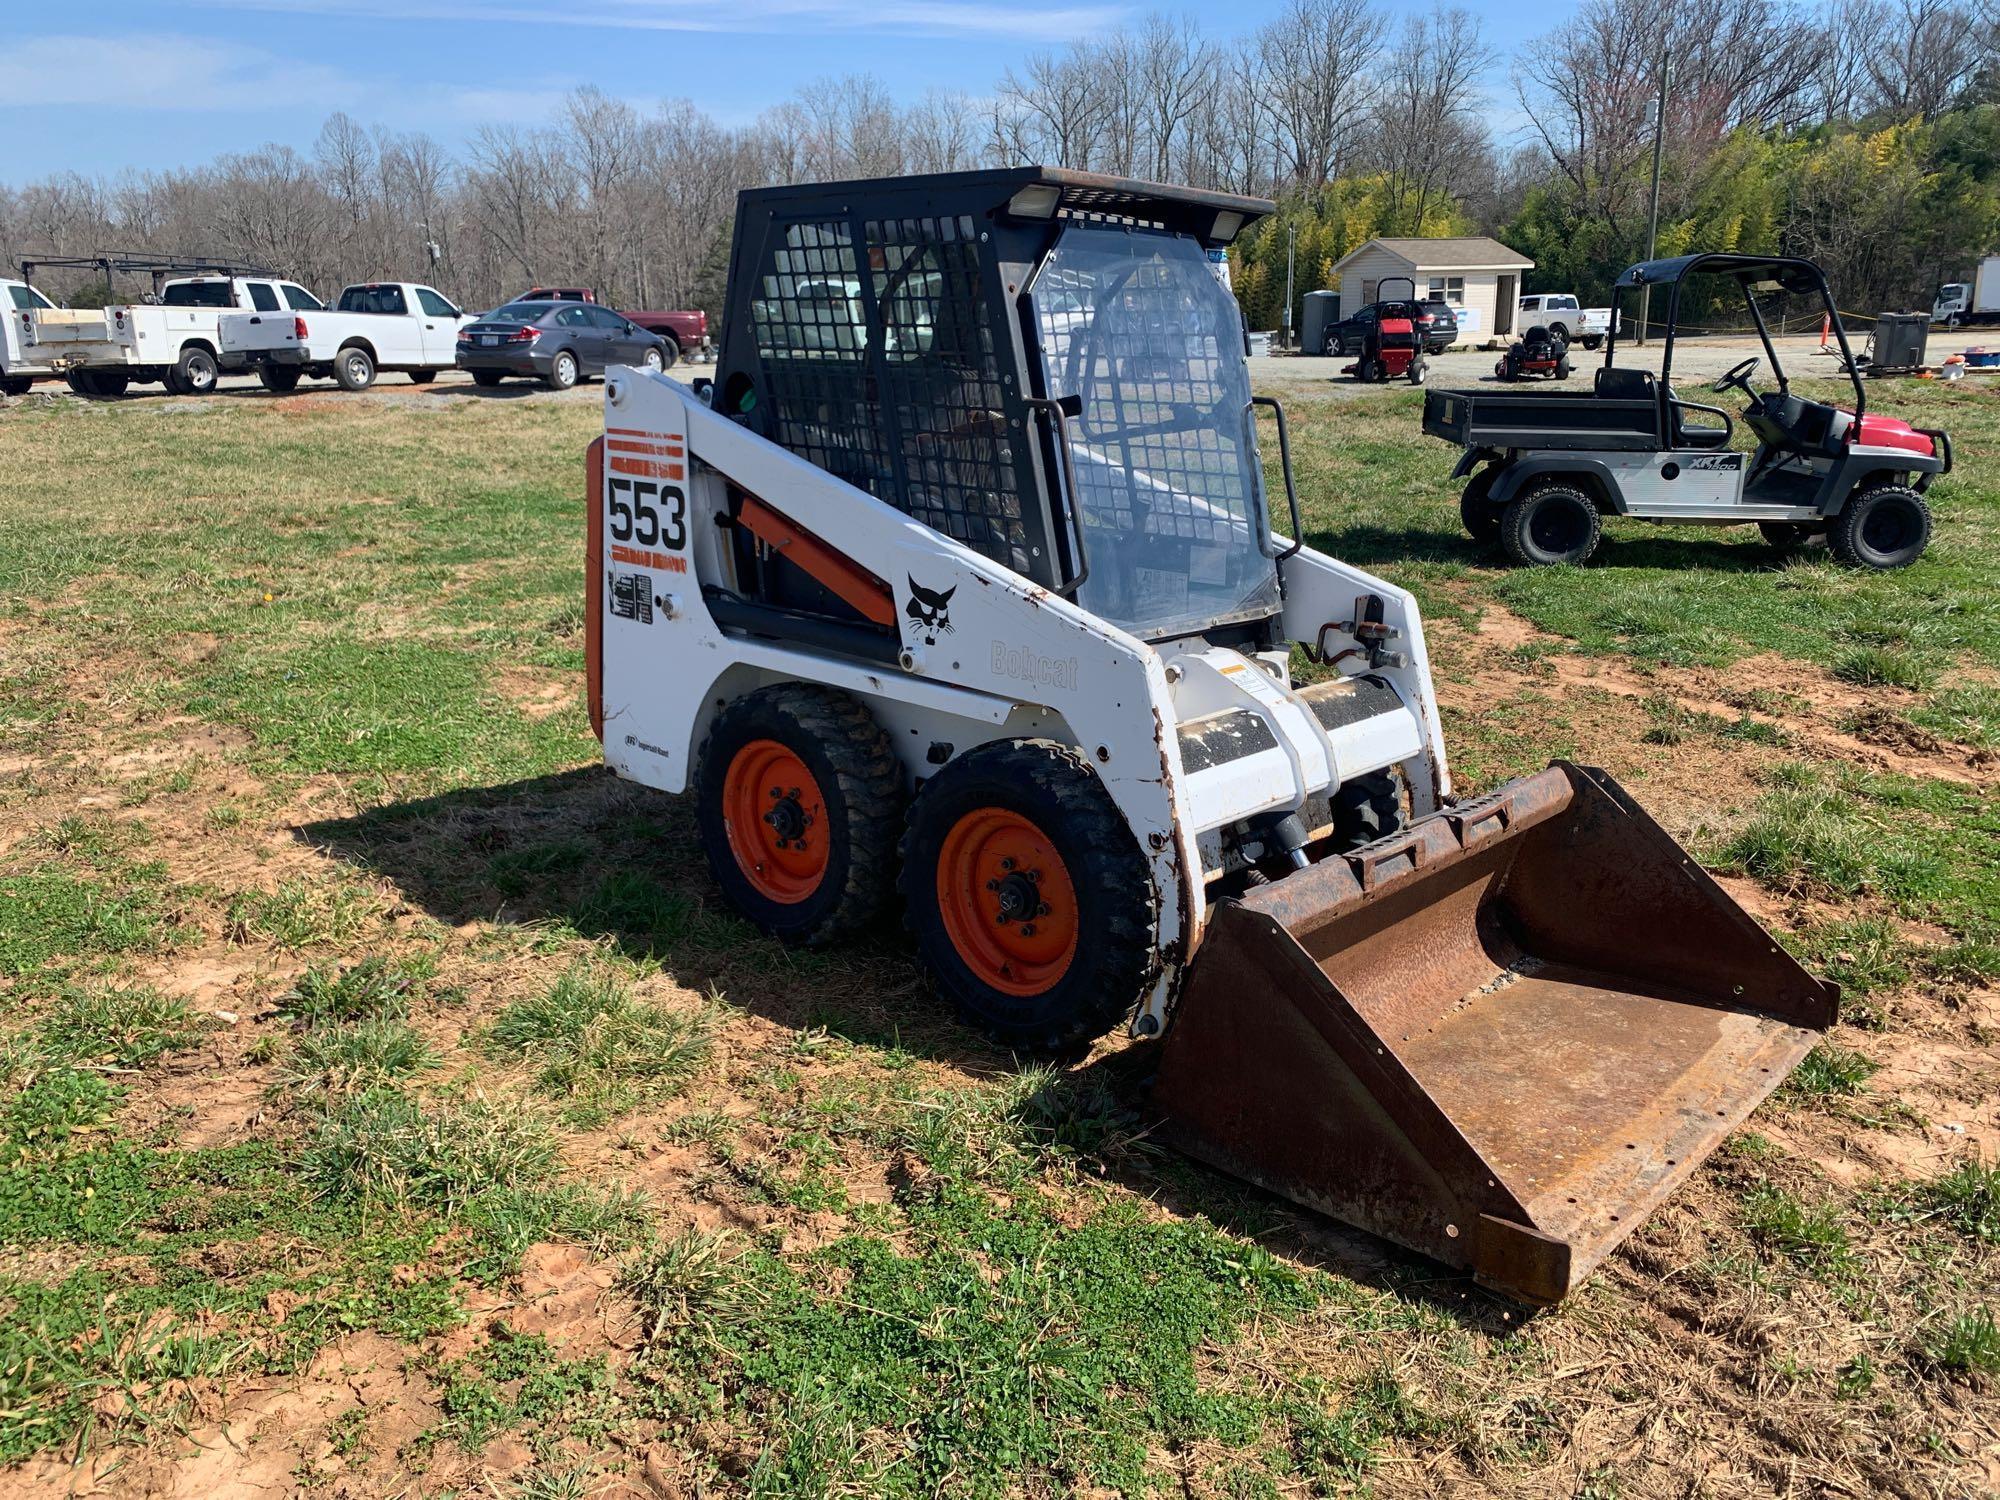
(1392, 349)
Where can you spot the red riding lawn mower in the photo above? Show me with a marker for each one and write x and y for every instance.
(1540, 351)
(1392, 349)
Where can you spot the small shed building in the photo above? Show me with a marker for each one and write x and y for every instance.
(1479, 277)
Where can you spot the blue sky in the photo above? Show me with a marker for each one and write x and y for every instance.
(112, 84)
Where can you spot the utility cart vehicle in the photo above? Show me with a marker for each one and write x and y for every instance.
(1543, 470)
(964, 593)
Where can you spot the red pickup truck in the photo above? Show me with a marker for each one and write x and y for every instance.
(686, 333)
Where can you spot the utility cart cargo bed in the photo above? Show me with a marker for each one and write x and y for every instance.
(1542, 419)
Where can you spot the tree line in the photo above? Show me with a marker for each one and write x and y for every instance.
(1865, 133)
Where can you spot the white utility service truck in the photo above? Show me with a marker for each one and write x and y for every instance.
(373, 326)
(18, 367)
(178, 340)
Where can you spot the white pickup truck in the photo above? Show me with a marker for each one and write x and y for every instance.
(18, 365)
(178, 340)
(372, 326)
(1561, 312)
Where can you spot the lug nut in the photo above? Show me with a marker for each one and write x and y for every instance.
(1029, 930)
(1006, 864)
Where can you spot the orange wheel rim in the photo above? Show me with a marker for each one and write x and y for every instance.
(776, 820)
(1008, 904)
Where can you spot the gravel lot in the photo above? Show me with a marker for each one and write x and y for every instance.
(1696, 363)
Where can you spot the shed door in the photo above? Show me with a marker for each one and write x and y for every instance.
(1504, 303)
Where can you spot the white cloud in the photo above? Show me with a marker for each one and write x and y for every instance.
(1029, 21)
(165, 73)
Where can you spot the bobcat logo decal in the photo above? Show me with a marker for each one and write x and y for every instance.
(930, 609)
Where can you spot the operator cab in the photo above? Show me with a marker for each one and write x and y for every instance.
(1041, 364)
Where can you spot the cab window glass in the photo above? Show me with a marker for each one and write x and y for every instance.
(263, 296)
(434, 305)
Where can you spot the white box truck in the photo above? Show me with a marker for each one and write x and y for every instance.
(1962, 304)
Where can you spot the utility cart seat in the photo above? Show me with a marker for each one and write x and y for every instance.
(1624, 385)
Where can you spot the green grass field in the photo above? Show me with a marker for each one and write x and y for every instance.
(388, 1105)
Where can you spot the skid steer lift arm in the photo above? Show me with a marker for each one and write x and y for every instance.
(961, 593)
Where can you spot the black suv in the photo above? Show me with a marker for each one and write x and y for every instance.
(1436, 324)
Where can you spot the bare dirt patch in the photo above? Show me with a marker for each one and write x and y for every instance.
(1818, 703)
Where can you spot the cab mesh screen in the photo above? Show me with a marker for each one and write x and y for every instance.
(879, 365)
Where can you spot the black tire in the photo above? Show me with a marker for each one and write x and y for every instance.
(280, 380)
(564, 371)
(1417, 371)
(81, 382)
(1365, 370)
(487, 378)
(670, 353)
(1563, 368)
(111, 384)
(1333, 348)
(1555, 522)
(1560, 330)
(1882, 528)
(422, 377)
(1114, 927)
(1366, 809)
(1479, 515)
(16, 385)
(195, 372)
(354, 368)
(1510, 368)
(861, 798)
(1786, 536)
(653, 360)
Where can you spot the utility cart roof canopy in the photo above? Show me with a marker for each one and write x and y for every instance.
(1033, 193)
(1788, 272)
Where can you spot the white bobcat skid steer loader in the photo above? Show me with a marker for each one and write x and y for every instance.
(959, 590)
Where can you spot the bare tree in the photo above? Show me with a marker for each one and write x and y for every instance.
(1427, 132)
(1315, 62)
(1176, 78)
(941, 133)
(1062, 107)
(1915, 57)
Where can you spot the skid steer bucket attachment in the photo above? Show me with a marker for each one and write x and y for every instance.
(1500, 1037)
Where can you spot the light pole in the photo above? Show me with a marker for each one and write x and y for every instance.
(1653, 216)
(1291, 245)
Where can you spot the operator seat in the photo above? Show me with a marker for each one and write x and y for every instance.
(1624, 385)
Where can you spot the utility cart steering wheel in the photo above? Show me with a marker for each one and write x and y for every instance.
(1738, 379)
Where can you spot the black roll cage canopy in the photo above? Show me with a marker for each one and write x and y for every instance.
(1787, 273)
(131, 263)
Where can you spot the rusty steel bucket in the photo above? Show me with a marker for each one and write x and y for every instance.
(1500, 1037)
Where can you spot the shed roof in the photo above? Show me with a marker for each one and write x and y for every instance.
(1466, 252)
